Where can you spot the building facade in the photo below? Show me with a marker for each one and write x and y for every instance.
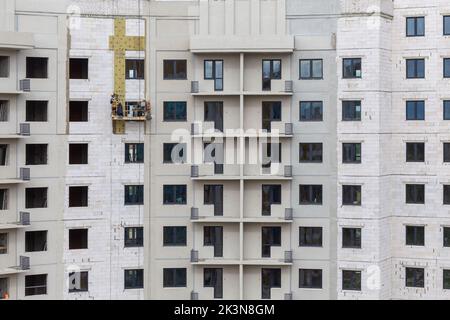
(226, 149)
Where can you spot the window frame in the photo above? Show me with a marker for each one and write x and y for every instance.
(213, 75)
(417, 239)
(305, 232)
(416, 105)
(311, 69)
(137, 239)
(175, 112)
(415, 186)
(416, 75)
(354, 71)
(174, 66)
(311, 188)
(311, 113)
(174, 234)
(415, 19)
(173, 277)
(139, 194)
(174, 193)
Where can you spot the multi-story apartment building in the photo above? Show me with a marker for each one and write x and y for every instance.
(224, 149)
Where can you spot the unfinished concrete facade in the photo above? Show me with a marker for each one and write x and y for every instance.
(352, 96)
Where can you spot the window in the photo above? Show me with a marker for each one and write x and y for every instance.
(351, 110)
(36, 154)
(270, 278)
(78, 153)
(174, 236)
(35, 284)
(213, 236)
(174, 194)
(270, 236)
(174, 277)
(310, 278)
(415, 277)
(35, 241)
(4, 66)
(311, 69)
(310, 236)
(134, 195)
(351, 68)
(446, 236)
(134, 153)
(3, 154)
(35, 198)
(3, 199)
(213, 278)
(78, 196)
(415, 110)
(175, 70)
(415, 193)
(213, 70)
(36, 111)
(351, 152)
(78, 111)
(311, 111)
(446, 196)
(447, 68)
(311, 194)
(174, 153)
(446, 279)
(311, 152)
(271, 70)
(351, 280)
(79, 68)
(415, 68)
(134, 279)
(134, 237)
(415, 235)
(37, 68)
(415, 152)
(78, 281)
(3, 243)
(135, 69)
(271, 194)
(175, 111)
(271, 111)
(446, 25)
(213, 111)
(351, 195)
(4, 290)
(351, 238)
(78, 239)
(446, 147)
(415, 26)
(213, 195)
(446, 109)
(4, 110)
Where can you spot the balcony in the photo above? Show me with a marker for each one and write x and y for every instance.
(238, 44)
(24, 177)
(10, 87)
(24, 266)
(196, 90)
(24, 132)
(24, 221)
(210, 171)
(275, 171)
(12, 40)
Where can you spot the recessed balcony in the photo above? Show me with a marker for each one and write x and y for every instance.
(23, 266)
(24, 221)
(24, 177)
(24, 132)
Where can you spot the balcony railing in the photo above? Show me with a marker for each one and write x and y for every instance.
(194, 171)
(194, 295)
(288, 171)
